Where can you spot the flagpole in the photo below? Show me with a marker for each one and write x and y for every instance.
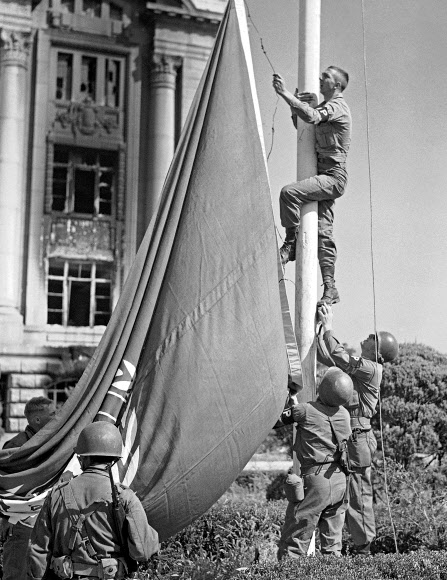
(307, 243)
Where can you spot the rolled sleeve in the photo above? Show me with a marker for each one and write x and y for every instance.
(305, 112)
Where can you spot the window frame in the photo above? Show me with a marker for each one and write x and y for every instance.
(100, 97)
(68, 279)
(75, 163)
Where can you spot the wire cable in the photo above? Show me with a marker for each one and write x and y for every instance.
(260, 37)
(273, 70)
(365, 77)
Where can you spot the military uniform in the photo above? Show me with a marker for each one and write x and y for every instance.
(98, 537)
(366, 376)
(16, 537)
(332, 120)
(319, 430)
(20, 439)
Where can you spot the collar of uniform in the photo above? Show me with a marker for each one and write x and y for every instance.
(100, 469)
(29, 431)
(334, 98)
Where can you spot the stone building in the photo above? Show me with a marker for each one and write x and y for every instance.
(93, 95)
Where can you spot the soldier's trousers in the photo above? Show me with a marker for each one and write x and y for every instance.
(325, 188)
(360, 515)
(15, 549)
(322, 507)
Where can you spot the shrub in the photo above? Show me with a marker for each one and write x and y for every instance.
(413, 566)
(275, 489)
(418, 506)
(414, 409)
(229, 528)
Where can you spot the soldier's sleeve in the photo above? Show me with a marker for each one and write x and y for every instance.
(305, 112)
(352, 365)
(299, 413)
(331, 111)
(41, 548)
(142, 538)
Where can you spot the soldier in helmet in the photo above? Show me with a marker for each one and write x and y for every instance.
(90, 527)
(322, 431)
(366, 374)
(38, 411)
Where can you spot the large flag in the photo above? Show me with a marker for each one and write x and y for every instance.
(193, 365)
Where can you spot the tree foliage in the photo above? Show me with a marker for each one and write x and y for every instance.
(414, 404)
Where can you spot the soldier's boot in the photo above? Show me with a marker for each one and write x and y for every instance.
(287, 251)
(363, 550)
(330, 294)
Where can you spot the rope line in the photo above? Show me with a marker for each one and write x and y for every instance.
(273, 128)
(259, 34)
(365, 77)
(273, 70)
(277, 97)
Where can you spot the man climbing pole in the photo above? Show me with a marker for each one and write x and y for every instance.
(320, 445)
(366, 374)
(332, 120)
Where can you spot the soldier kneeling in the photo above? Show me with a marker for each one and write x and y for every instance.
(322, 431)
(90, 527)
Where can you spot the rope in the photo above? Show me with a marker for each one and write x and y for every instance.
(365, 76)
(277, 97)
(260, 37)
(273, 70)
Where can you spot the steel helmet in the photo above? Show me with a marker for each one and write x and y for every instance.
(336, 388)
(101, 439)
(387, 346)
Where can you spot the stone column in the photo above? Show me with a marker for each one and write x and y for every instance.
(14, 49)
(161, 131)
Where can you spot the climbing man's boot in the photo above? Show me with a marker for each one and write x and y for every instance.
(287, 251)
(330, 294)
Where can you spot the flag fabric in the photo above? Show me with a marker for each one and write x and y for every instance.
(192, 366)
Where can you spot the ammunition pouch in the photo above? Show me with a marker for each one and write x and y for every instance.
(62, 566)
(113, 568)
(294, 488)
(106, 568)
(362, 446)
(344, 457)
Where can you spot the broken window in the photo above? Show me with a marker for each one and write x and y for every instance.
(87, 87)
(67, 6)
(60, 390)
(91, 8)
(112, 83)
(79, 293)
(64, 76)
(92, 79)
(116, 12)
(83, 181)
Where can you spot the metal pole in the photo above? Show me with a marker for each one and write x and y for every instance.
(307, 243)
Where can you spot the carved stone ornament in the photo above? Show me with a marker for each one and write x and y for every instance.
(85, 118)
(164, 70)
(14, 47)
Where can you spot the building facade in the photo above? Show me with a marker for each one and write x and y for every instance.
(93, 96)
